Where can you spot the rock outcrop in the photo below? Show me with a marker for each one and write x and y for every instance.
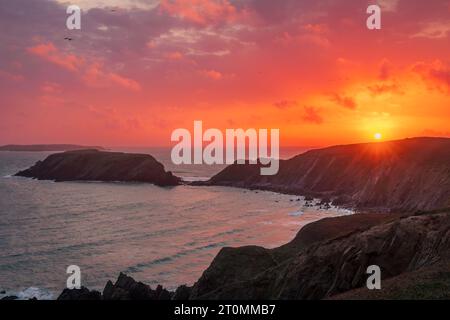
(125, 288)
(94, 165)
(310, 268)
(404, 175)
(79, 294)
(327, 259)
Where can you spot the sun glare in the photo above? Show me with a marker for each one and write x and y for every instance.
(377, 136)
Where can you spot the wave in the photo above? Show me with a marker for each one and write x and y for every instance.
(194, 179)
(30, 293)
(296, 213)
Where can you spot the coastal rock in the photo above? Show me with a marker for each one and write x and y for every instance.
(79, 294)
(233, 265)
(126, 288)
(404, 175)
(94, 165)
(319, 269)
(182, 293)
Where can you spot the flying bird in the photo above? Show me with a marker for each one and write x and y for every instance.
(68, 38)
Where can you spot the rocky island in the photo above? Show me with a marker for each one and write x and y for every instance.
(94, 165)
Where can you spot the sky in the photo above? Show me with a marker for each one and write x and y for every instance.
(137, 70)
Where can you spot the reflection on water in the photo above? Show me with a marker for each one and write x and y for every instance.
(156, 235)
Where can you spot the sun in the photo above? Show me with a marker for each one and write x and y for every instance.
(377, 136)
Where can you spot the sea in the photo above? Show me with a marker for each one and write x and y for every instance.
(166, 236)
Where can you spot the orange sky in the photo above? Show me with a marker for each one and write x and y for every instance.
(310, 68)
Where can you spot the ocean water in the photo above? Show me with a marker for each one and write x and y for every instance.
(165, 236)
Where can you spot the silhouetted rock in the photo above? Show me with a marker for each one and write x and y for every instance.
(79, 294)
(315, 268)
(182, 293)
(93, 165)
(126, 288)
(10, 298)
(405, 175)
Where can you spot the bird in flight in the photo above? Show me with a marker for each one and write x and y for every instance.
(68, 38)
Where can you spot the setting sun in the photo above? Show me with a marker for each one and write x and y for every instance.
(377, 136)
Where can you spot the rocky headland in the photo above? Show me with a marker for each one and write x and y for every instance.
(94, 165)
(397, 176)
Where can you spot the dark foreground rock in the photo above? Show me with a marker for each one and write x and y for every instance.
(125, 288)
(327, 259)
(313, 268)
(79, 294)
(405, 175)
(94, 165)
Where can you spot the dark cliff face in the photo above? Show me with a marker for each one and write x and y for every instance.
(325, 260)
(93, 165)
(404, 175)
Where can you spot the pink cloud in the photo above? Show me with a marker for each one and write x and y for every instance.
(50, 53)
(174, 56)
(212, 74)
(11, 76)
(311, 114)
(285, 104)
(200, 11)
(95, 76)
(436, 74)
(344, 101)
(382, 88)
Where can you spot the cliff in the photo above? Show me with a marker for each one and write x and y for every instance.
(325, 260)
(403, 175)
(45, 147)
(94, 165)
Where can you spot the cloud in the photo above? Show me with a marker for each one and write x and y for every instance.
(285, 104)
(96, 76)
(311, 114)
(388, 5)
(436, 74)
(385, 69)
(174, 56)
(382, 88)
(50, 53)
(200, 11)
(212, 74)
(344, 101)
(11, 76)
(434, 30)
